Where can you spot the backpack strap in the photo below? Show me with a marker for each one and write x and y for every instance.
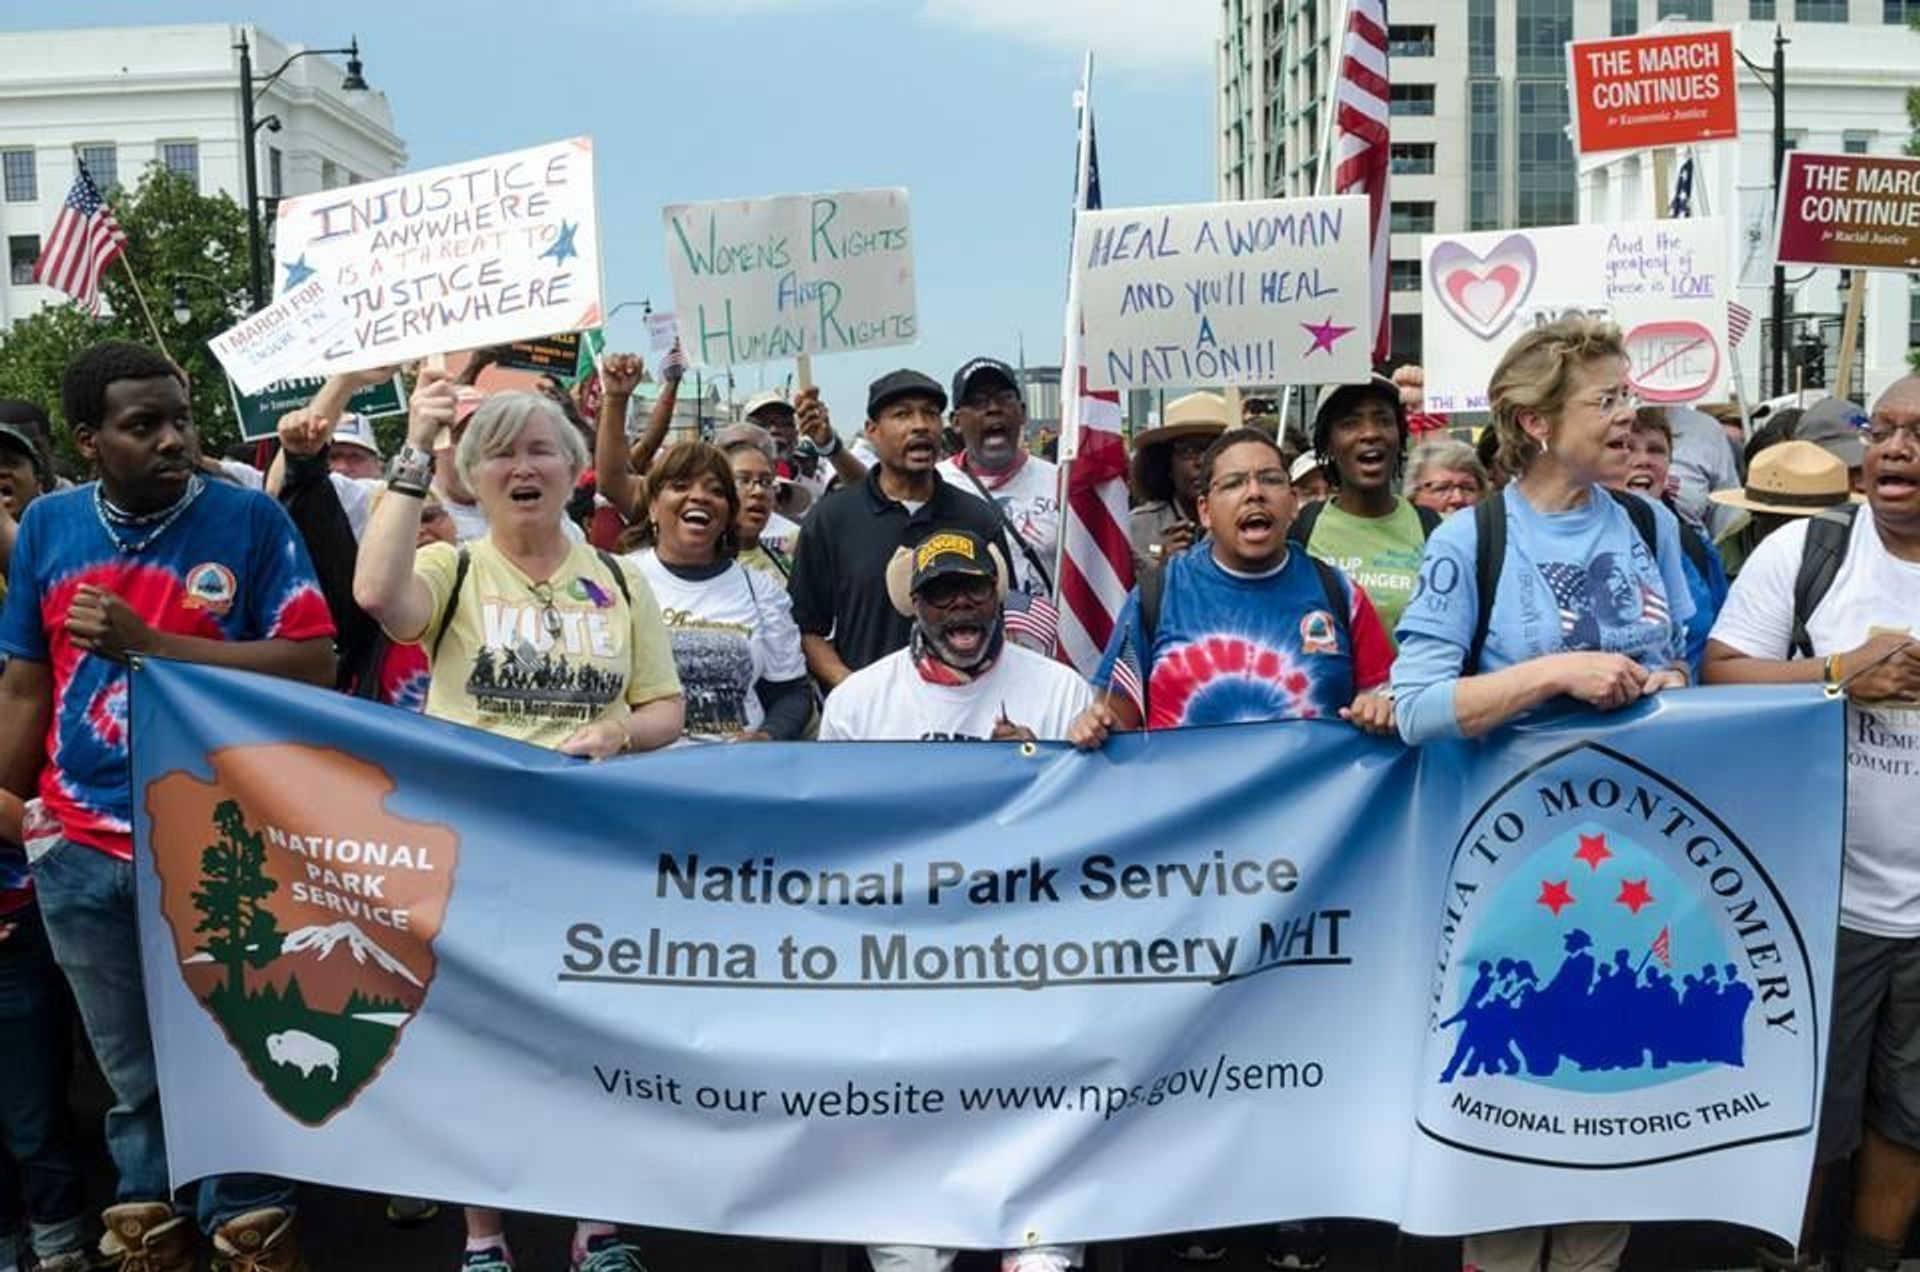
(1302, 528)
(1429, 521)
(619, 575)
(1694, 545)
(1489, 553)
(460, 569)
(1010, 530)
(1339, 604)
(1153, 587)
(1640, 512)
(1828, 535)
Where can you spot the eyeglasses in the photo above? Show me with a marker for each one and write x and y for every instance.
(1190, 449)
(1881, 432)
(944, 593)
(756, 481)
(1464, 489)
(1273, 479)
(1613, 400)
(981, 399)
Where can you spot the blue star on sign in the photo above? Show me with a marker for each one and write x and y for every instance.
(563, 244)
(298, 273)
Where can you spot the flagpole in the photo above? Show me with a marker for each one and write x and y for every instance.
(1075, 342)
(1323, 173)
(142, 298)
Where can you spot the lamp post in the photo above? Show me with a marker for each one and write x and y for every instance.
(1776, 85)
(182, 302)
(353, 82)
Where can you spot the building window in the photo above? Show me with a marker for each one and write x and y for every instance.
(1404, 330)
(274, 172)
(1411, 99)
(1483, 37)
(1626, 17)
(1410, 218)
(1691, 10)
(1404, 276)
(1820, 10)
(1541, 31)
(1900, 12)
(1411, 158)
(1483, 155)
(22, 251)
(1543, 168)
(103, 165)
(182, 157)
(329, 174)
(1913, 313)
(1761, 9)
(1854, 143)
(1410, 41)
(22, 180)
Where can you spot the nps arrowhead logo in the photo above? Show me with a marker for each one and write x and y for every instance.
(303, 913)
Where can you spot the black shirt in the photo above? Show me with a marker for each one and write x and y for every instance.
(839, 583)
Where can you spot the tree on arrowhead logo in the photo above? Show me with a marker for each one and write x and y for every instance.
(303, 913)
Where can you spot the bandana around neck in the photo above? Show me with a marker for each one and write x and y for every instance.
(935, 672)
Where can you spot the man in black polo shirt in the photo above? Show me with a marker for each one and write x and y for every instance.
(839, 584)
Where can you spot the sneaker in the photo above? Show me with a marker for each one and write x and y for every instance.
(146, 1236)
(608, 1254)
(411, 1212)
(1198, 1248)
(259, 1241)
(493, 1258)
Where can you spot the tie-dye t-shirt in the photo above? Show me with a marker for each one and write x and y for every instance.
(231, 567)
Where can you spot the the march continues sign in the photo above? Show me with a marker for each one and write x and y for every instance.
(981, 995)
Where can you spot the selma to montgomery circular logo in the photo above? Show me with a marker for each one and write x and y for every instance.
(303, 913)
(1619, 981)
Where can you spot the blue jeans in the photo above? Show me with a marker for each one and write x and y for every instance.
(39, 1167)
(87, 899)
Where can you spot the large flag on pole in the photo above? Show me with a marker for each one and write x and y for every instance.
(84, 241)
(1360, 141)
(1096, 556)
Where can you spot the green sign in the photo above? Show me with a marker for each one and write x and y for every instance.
(260, 413)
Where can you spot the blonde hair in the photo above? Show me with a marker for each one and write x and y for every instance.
(1536, 374)
(502, 418)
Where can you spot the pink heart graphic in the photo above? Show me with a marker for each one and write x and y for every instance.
(1484, 292)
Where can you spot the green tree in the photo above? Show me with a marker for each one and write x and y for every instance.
(241, 932)
(176, 236)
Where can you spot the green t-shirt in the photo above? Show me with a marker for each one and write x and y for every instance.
(1381, 554)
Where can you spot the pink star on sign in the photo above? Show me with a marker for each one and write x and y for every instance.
(1554, 896)
(1324, 334)
(1634, 894)
(1593, 850)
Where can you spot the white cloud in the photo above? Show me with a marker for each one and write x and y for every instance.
(1154, 35)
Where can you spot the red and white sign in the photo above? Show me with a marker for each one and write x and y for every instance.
(1644, 91)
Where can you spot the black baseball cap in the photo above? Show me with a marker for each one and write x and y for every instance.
(952, 554)
(972, 368)
(16, 437)
(903, 383)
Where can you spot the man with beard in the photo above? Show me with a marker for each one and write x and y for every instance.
(958, 678)
(839, 584)
(991, 418)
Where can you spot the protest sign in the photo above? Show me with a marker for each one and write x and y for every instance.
(1261, 292)
(1665, 283)
(662, 330)
(675, 1018)
(758, 280)
(1850, 211)
(1639, 92)
(259, 413)
(557, 355)
(479, 253)
(290, 335)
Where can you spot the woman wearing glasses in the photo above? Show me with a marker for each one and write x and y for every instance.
(1581, 594)
(734, 639)
(1444, 476)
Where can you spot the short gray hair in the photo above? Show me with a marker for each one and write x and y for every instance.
(744, 437)
(502, 418)
(1444, 452)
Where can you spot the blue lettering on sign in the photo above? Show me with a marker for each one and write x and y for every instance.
(1133, 240)
(1139, 296)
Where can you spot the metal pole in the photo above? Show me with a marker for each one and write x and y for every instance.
(256, 283)
(1779, 165)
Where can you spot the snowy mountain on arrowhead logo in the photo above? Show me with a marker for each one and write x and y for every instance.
(335, 961)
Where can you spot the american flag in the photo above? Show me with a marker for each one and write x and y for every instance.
(1032, 621)
(1739, 318)
(1662, 947)
(1682, 204)
(1096, 556)
(1128, 675)
(84, 241)
(1572, 588)
(1360, 141)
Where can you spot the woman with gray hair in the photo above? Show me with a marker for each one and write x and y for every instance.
(1444, 475)
(530, 635)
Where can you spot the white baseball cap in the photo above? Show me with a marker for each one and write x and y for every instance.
(356, 430)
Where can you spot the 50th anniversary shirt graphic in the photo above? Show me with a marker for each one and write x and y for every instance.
(1570, 972)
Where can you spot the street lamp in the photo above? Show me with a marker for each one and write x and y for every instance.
(354, 82)
(182, 302)
(1776, 85)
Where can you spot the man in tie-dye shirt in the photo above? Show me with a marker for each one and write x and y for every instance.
(152, 559)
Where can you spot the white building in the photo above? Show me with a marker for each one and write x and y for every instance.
(126, 97)
(1480, 105)
(1845, 95)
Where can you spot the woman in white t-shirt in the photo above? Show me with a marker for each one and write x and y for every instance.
(734, 640)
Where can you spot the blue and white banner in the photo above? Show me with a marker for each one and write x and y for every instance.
(984, 995)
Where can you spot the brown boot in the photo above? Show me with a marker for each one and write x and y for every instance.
(259, 1241)
(146, 1236)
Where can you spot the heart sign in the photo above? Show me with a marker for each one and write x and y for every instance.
(1484, 292)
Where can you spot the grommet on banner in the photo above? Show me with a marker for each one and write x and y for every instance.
(1032, 1234)
(1029, 750)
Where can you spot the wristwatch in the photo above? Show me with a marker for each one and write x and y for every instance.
(832, 447)
(410, 470)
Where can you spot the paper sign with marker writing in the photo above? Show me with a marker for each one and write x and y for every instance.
(758, 280)
(662, 331)
(1261, 292)
(486, 252)
(1666, 285)
(288, 337)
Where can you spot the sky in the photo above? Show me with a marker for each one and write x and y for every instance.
(966, 103)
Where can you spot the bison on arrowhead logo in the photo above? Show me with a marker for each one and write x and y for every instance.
(303, 913)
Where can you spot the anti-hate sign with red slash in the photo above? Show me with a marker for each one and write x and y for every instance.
(485, 252)
(1850, 211)
(1646, 91)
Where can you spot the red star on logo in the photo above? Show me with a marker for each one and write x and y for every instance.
(1593, 850)
(1555, 896)
(1634, 894)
